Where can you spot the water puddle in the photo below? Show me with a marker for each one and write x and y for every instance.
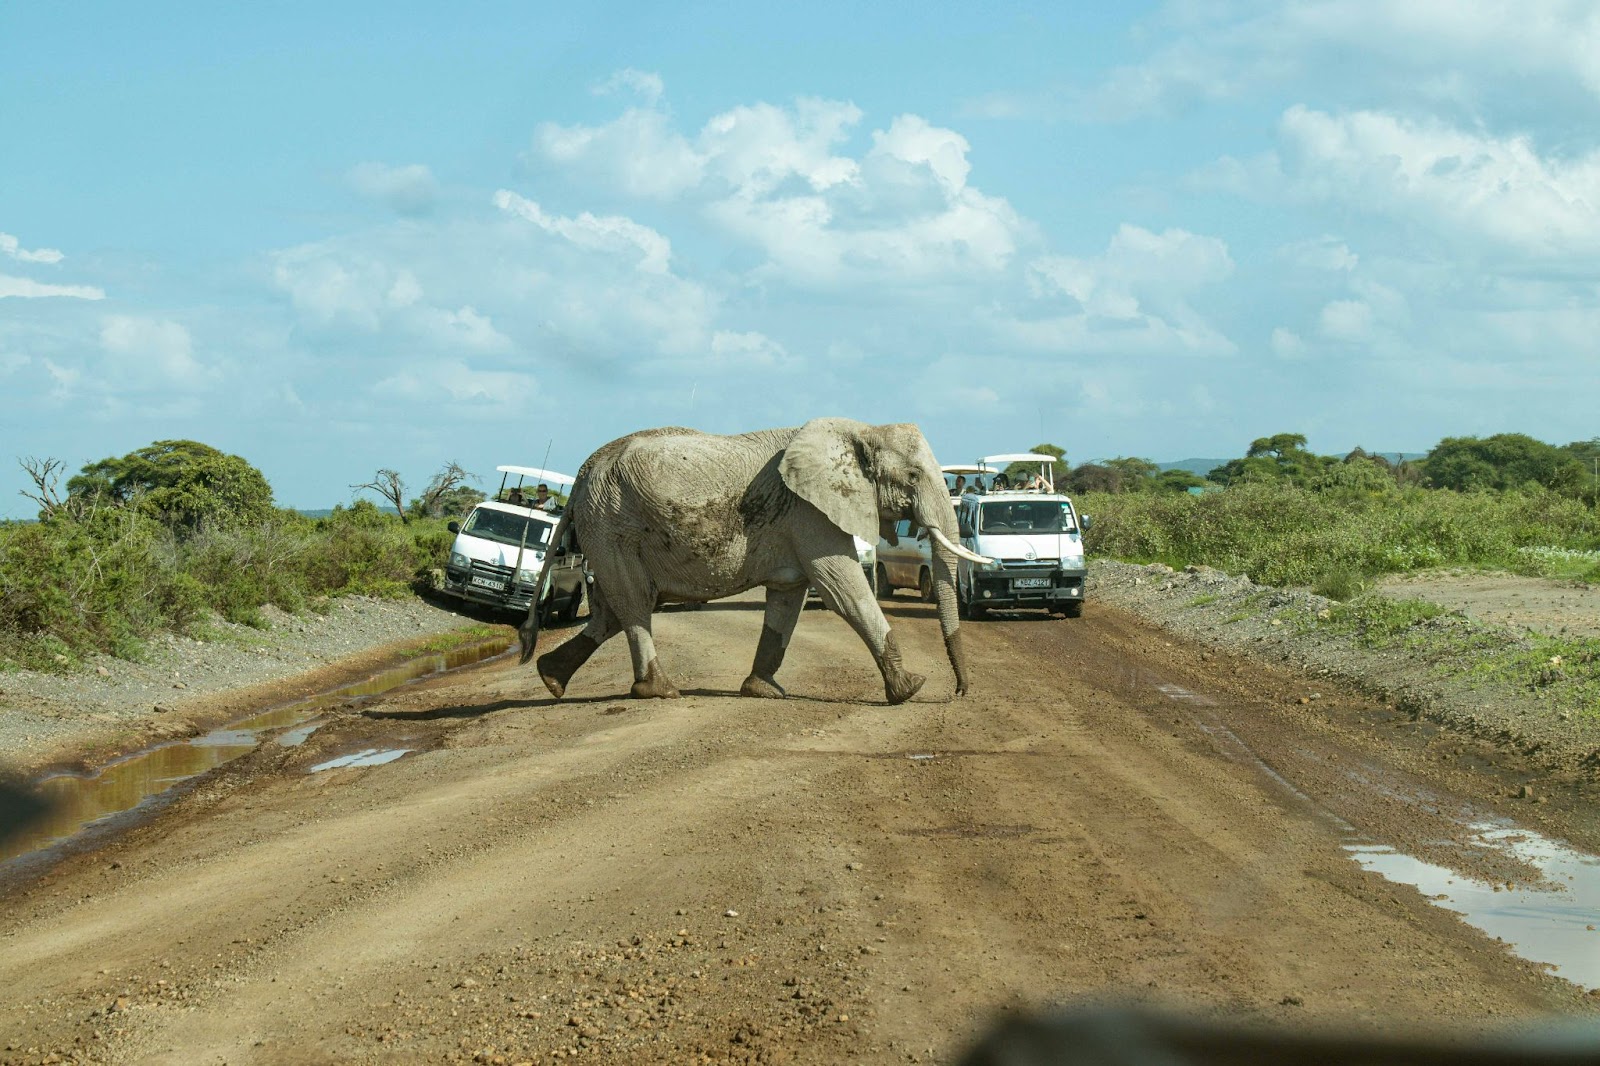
(1554, 921)
(368, 757)
(144, 781)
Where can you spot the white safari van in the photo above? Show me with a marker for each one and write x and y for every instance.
(1033, 536)
(501, 546)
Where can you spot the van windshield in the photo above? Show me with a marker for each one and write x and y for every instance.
(1026, 516)
(506, 528)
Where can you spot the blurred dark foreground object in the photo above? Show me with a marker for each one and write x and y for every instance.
(19, 808)
(1142, 1037)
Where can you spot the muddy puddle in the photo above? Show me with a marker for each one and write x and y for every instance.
(1553, 920)
(141, 783)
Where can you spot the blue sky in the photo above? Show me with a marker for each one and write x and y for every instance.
(333, 238)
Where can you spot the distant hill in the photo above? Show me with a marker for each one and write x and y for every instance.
(1205, 466)
(320, 512)
(1194, 466)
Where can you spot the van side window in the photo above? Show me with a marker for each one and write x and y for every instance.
(902, 528)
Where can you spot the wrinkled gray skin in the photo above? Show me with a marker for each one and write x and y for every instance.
(676, 515)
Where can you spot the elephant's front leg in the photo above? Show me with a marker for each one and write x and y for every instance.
(783, 611)
(845, 589)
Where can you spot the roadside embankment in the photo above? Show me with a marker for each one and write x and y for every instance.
(1471, 666)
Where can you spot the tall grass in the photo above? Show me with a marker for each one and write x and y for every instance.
(113, 578)
(1284, 535)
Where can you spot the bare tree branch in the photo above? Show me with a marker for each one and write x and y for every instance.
(387, 483)
(46, 477)
(448, 478)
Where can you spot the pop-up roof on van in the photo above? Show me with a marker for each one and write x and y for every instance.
(534, 474)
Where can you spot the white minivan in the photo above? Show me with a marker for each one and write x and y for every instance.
(1033, 537)
(500, 548)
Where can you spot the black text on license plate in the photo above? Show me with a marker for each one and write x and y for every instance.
(1033, 582)
(489, 583)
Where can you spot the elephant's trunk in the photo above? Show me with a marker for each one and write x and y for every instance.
(941, 522)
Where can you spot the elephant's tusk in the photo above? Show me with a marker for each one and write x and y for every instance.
(944, 542)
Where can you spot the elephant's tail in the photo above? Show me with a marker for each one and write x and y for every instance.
(528, 632)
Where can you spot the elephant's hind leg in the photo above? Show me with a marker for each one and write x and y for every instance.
(783, 611)
(649, 680)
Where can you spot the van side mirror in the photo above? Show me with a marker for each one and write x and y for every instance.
(1083, 522)
(453, 526)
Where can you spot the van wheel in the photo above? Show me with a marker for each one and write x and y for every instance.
(1072, 610)
(885, 590)
(925, 587)
(569, 613)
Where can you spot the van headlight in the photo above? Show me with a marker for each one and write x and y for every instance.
(993, 564)
(459, 561)
(527, 577)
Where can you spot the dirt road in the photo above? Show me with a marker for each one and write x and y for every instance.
(1109, 815)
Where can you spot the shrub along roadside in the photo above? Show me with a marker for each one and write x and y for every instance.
(113, 577)
(1335, 540)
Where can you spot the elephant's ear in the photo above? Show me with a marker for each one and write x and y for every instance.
(826, 465)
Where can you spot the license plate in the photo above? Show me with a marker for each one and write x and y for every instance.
(1033, 582)
(488, 583)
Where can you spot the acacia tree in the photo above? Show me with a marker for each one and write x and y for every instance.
(1503, 461)
(1280, 457)
(183, 484)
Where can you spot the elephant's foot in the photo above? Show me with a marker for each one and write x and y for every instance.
(899, 685)
(902, 687)
(654, 685)
(769, 656)
(557, 666)
(762, 688)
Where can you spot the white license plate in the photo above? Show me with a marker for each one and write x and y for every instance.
(488, 583)
(1033, 582)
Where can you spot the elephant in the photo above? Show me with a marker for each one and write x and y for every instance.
(675, 515)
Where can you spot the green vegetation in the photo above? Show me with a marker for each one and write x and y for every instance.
(1559, 668)
(173, 535)
(456, 638)
(1377, 622)
(1289, 517)
(1336, 538)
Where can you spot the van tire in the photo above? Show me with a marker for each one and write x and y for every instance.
(925, 587)
(884, 590)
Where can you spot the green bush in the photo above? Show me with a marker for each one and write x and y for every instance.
(107, 578)
(1337, 536)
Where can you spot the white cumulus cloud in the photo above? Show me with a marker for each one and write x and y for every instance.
(408, 190)
(608, 234)
(12, 247)
(1135, 299)
(150, 348)
(779, 179)
(1458, 183)
(28, 289)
